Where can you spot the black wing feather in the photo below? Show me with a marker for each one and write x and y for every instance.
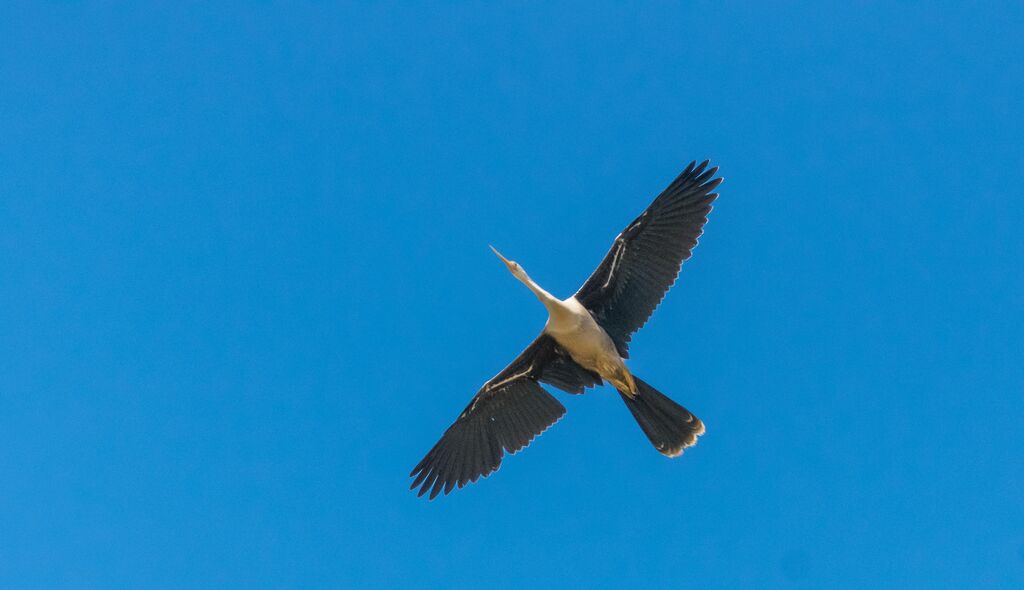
(506, 414)
(645, 258)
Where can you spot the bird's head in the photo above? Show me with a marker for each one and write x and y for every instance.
(512, 265)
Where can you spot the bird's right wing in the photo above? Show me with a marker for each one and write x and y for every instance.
(506, 414)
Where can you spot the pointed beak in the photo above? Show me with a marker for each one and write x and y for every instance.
(507, 262)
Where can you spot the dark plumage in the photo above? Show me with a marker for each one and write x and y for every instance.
(512, 408)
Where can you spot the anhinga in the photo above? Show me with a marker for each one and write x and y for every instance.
(584, 342)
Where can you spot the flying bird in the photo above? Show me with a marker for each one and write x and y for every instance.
(585, 342)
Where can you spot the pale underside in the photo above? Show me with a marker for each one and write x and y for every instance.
(572, 326)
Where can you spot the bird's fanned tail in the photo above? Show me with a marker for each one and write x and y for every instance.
(669, 426)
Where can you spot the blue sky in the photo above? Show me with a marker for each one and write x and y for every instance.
(245, 285)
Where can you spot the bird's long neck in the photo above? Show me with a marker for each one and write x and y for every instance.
(552, 303)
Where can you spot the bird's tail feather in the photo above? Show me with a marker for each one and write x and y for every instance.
(670, 427)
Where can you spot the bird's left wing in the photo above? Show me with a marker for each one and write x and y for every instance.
(644, 259)
(506, 414)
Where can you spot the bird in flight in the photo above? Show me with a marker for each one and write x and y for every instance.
(584, 343)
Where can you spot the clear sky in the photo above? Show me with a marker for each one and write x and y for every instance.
(245, 285)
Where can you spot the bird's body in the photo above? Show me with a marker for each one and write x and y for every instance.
(584, 343)
(578, 333)
(574, 328)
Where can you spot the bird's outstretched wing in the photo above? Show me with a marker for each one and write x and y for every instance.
(645, 258)
(504, 416)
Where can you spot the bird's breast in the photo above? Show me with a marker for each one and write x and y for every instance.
(585, 341)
